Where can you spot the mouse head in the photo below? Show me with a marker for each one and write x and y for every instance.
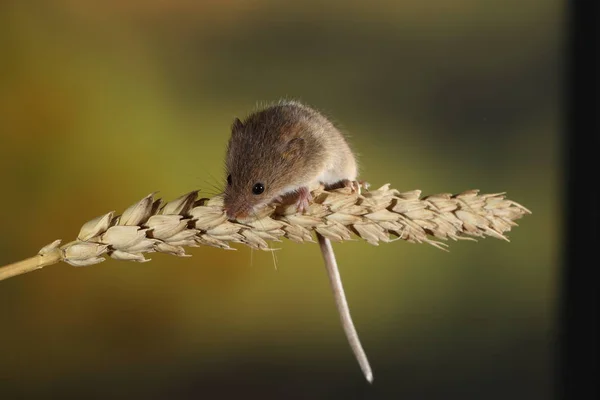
(264, 157)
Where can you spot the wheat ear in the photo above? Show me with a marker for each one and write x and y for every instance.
(381, 215)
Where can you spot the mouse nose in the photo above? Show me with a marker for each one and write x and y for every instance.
(235, 211)
(230, 213)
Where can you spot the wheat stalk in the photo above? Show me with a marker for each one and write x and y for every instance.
(381, 215)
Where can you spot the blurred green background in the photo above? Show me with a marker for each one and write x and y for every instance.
(104, 102)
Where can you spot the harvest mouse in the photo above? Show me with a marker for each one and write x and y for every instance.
(284, 148)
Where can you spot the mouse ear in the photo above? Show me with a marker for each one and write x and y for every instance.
(294, 148)
(237, 125)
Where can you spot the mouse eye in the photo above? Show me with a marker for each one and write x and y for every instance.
(258, 188)
(229, 180)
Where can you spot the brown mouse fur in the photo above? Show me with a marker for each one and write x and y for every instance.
(286, 147)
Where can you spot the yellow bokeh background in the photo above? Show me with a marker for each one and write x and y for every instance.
(103, 102)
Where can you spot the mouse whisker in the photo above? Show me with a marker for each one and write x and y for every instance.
(270, 249)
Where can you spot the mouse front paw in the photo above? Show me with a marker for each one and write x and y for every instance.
(303, 201)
